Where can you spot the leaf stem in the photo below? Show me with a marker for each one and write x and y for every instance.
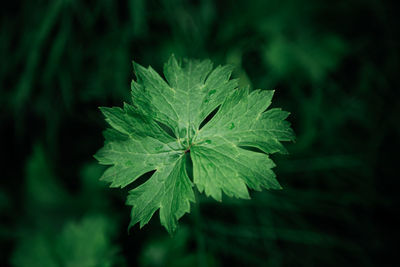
(198, 233)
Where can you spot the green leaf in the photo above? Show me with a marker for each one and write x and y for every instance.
(163, 126)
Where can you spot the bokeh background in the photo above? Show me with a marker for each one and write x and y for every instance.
(334, 66)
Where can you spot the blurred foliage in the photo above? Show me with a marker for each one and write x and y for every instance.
(49, 234)
(173, 251)
(333, 65)
(84, 243)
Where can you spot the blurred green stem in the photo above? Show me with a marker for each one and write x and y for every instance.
(198, 233)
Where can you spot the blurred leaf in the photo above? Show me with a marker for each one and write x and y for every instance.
(86, 243)
(304, 58)
(34, 251)
(42, 187)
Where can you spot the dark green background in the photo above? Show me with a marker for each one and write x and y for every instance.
(334, 65)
